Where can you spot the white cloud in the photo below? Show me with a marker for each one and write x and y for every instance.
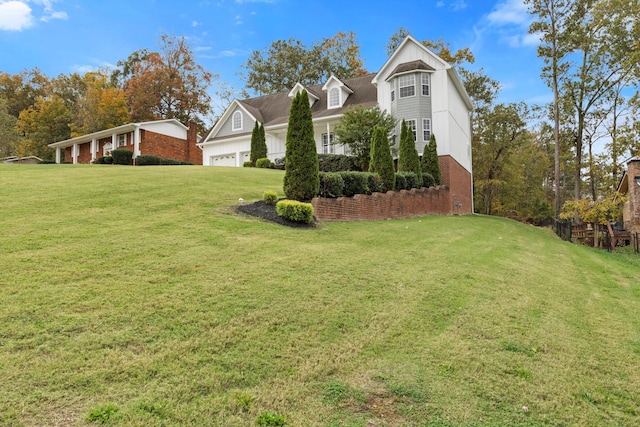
(238, 20)
(15, 16)
(510, 20)
(195, 23)
(509, 12)
(458, 5)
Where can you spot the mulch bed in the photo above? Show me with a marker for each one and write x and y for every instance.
(267, 212)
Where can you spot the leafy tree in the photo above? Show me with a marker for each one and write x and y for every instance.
(45, 122)
(22, 90)
(381, 159)
(355, 131)
(8, 134)
(287, 62)
(440, 47)
(301, 179)
(430, 162)
(169, 84)
(258, 143)
(408, 158)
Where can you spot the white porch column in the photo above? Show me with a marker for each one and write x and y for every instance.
(75, 153)
(136, 142)
(114, 139)
(329, 146)
(58, 155)
(94, 149)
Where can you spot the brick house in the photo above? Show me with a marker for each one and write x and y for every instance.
(164, 138)
(630, 185)
(414, 84)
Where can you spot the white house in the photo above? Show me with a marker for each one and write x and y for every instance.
(414, 84)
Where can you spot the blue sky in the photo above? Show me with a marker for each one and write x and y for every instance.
(63, 36)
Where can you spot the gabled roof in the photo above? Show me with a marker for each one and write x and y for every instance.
(273, 110)
(340, 83)
(409, 67)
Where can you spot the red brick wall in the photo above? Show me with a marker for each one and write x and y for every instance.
(458, 179)
(379, 206)
(155, 144)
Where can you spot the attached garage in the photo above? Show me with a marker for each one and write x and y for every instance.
(223, 160)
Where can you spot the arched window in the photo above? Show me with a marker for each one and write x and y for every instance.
(237, 120)
(334, 97)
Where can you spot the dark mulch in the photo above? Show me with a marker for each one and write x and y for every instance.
(267, 212)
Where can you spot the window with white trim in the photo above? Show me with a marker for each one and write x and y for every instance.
(334, 98)
(122, 140)
(407, 85)
(327, 143)
(426, 86)
(411, 125)
(237, 121)
(393, 91)
(426, 130)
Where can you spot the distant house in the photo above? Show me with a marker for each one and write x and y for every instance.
(630, 185)
(164, 138)
(29, 160)
(414, 84)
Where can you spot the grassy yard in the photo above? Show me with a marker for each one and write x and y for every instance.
(135, 296)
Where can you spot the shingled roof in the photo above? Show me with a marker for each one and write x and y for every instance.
(410, 66)
(274, 109)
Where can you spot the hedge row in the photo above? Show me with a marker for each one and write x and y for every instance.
(296, 211)
(336, 163)
(148, 160)
(348, 184)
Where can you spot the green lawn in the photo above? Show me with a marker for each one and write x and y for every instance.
(135, 296)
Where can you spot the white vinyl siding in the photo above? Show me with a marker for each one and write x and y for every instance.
(407, 86)
(426, 130)
(426, 86)
(393, 91)
(237, 121)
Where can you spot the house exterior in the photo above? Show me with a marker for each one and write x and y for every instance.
(29, 160)
(630, 185)
(164, 138)
(414, 84)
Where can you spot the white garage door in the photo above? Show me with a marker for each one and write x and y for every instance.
(223, 160)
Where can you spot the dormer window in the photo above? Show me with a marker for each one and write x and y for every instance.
(237, 120)
(334, 98)
(407, 85)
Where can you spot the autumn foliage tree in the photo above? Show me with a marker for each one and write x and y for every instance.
(169, 84)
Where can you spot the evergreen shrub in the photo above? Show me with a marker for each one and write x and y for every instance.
(374, 183)
(355, 183)
(336, 163)
(263, 163)
(247, 164)
(331, 185)
(401, 182)
(122, 156)
(411, 180)
(148, 160)
(270, 197)
(427, 180)
(296, 211)
(108, 160)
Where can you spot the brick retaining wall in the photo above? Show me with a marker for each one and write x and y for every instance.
(380, 206)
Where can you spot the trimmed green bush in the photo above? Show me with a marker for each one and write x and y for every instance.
(401, 182)
(148, 160)
(263, 163)
(375, 183)
(301, 181)
(47, 162)
(247, 164)
(108, 160)
(411, 180)
(170, 162)
(336, 163)
(430, 163)
(427, 180)
(296, 211)
(381, 160)
(270, 197)
(355, 183)
(100, 160)
(331, 185)
(122, 156)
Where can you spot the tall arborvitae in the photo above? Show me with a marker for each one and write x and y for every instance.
(408, 158)
(255, 141)
(301, 179)
(381, 159)
(263, 143)
(430, 162)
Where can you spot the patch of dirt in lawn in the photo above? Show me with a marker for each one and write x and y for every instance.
(267, 212)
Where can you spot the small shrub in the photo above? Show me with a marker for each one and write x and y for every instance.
(401, 182)
(336, 163)
(99, 160)
(375, 183)
(296, 211)
(263, 163)
(355, 183)
(411, 180)
(108, 160)
(102, 414)
(148, 160)
(47, 162)
(247, 164)
(271, 418)
(428, 180)
(122, 156)
(279, 163)
(331, 185)
(270, 197)
(170, 162)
